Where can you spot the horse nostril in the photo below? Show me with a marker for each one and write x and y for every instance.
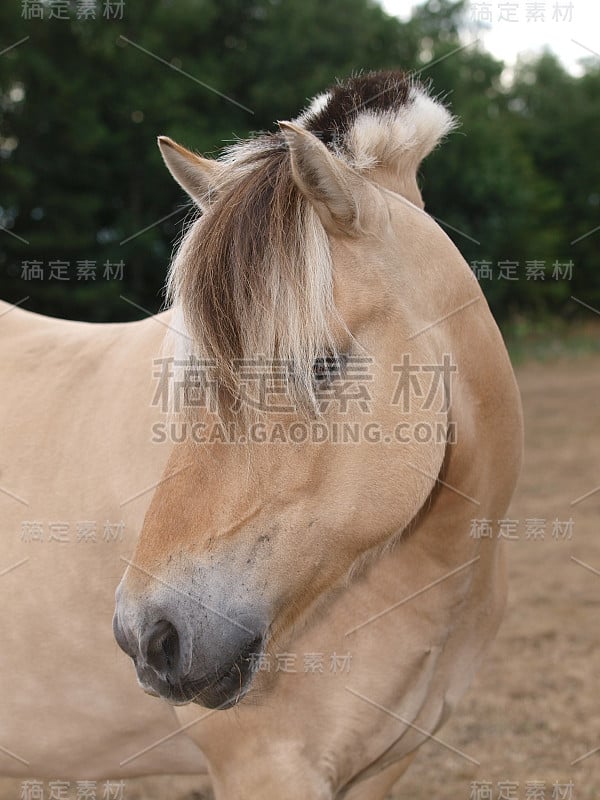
(162, 647)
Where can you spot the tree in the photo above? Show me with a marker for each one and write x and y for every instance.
(82, 101)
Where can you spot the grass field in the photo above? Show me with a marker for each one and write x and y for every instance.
(534, 707)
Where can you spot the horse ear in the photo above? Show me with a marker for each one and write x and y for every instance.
(198, 176)
(329, 184)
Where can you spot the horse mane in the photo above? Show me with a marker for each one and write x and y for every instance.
(253, 277)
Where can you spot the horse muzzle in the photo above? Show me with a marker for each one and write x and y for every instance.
(205, 658)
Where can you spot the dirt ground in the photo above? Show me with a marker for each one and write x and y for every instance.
(534, 708)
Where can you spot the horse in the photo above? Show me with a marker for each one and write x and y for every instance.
(280, 474)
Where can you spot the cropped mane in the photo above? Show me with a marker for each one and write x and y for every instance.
(379, 119)
(252, 280)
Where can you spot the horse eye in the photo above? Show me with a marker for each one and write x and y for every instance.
(326, 369)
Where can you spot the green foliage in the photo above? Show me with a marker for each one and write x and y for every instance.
(81, 106)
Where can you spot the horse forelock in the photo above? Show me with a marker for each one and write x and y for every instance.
(253, 280)
(253, 277)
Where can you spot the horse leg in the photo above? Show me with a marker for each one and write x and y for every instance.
(378, 786)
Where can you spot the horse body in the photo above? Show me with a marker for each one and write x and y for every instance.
(281, 555)
(73, 452)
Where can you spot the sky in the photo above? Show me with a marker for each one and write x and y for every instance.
(520, 27)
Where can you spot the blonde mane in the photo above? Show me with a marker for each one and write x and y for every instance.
(253, 276)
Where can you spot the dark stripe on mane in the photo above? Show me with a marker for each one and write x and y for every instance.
(372, 91)
(248, 220)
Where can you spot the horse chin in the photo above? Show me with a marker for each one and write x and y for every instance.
(229, 688)
(215, 697)
(219, 700)
(223, 694)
